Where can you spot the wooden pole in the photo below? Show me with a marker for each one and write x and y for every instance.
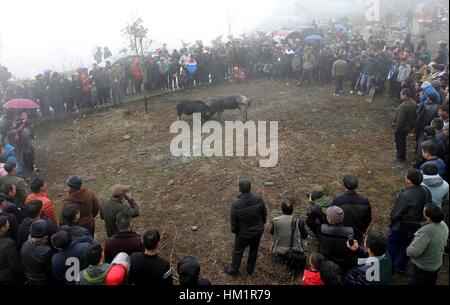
(145, 101)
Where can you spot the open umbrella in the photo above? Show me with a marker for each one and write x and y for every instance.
(339, 27)
(20, 103)
(313, 38)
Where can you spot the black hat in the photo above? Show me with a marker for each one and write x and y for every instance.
(38, 228)
(74, 182)
(188, 270)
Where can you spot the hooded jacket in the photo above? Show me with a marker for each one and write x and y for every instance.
(437, 186)
(9, 149)
(189, 272)
(94, 275)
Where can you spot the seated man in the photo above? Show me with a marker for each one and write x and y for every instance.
(376, 246)
(282, 229)
(189, 272)
(333, 239)
(316, 214)
(148, 268)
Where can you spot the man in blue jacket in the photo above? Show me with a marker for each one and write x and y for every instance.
(70, 255)
(374, 255)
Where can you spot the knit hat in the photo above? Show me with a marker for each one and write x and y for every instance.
(317, 191)
(119, 189)
(188, 270)
(38, 228)
(335, 214)
(74, 182)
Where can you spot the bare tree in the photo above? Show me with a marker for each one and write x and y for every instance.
(136, 35)
(230, 21)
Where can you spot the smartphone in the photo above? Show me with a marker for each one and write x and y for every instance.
(350, 240)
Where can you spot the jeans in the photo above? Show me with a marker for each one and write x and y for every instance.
(240, 244)
(366, 83)
(400, 143)
(117, 94)
(397, 242)
(423, 277)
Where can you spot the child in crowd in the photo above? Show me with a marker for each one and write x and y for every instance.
(311, 276)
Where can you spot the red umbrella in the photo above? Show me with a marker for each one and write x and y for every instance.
(20, 103)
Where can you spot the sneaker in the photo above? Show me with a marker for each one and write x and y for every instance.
(360, 93)
(351, 92)
(336, 94)
(227, 270)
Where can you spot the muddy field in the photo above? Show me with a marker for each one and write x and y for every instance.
(321, 138)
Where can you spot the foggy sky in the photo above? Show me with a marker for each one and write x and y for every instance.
(35, 35)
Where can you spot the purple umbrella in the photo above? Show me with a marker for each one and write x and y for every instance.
(20, 103)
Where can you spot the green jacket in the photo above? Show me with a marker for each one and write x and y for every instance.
(94, 275)
(428, 245)
(405, 116)
(324, 203)
(296, 63)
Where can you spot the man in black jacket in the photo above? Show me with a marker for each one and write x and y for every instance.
(404, 121)
(33, 212)
(37, 255)
(357, 209)
(333, 239)
(248, 216)
(11, 270)
(406, 217)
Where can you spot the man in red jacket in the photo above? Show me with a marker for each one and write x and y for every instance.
(37, 186)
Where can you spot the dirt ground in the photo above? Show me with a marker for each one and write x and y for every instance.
(321, 138)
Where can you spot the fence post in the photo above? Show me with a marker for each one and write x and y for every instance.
(145, 102)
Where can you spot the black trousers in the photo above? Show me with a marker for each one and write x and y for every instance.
(400, 143)
(240, 244)
(423, 277)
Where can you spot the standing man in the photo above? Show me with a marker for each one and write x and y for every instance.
(248, 216)
(368, 70)
(427, 248)
(357, 209)
(86, 200)
(406, 217)
(403, 76)
(404, 121)
(116, 204)
(339, 72)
